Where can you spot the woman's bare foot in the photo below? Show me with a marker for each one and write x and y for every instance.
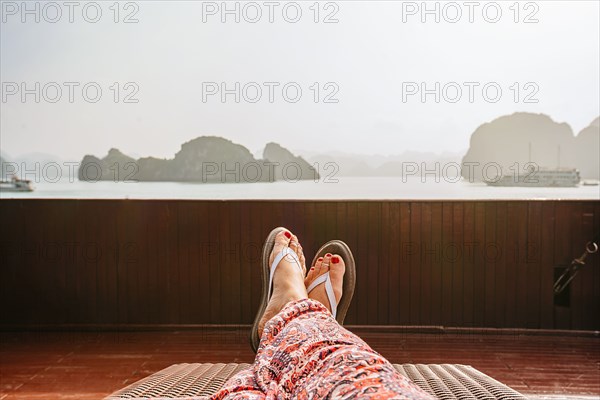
(336, 267)
(288, 280)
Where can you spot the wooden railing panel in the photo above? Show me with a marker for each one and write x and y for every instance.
(156, 262)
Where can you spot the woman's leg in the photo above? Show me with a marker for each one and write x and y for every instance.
(288, 286)
(304, 353)
(240, 386)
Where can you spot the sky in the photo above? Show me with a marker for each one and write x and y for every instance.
(344, 76)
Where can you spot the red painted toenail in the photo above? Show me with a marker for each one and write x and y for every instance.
(335, 260)
(328, 255)
(320, 259)
(287, 235)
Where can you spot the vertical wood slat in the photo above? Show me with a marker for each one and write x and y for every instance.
(547, 267)
(479, 266)
(522, 265)
(385, 266)
(587, 274)
(396, 264)
(490, 251)
(427, 282)
(456, 254)
(534, 215)
(501, 264)
(578, 284)
(372, 255)
(562, 257)
(352, 241)
(469, 265)
(445, 262)
(415, 263)
(404, 283)
(440, 224)
(170, 262)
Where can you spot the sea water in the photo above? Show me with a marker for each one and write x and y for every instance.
(363, 188)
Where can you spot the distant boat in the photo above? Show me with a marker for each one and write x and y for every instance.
(540, 177)
(16, 185)
(557, 177)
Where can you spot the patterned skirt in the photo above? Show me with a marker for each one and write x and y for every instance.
(305, 354)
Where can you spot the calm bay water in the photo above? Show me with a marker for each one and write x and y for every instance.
(345, 188)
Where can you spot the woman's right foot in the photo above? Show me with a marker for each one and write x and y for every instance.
(336, 267)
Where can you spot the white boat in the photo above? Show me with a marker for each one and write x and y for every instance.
(543, 177)
(540, 177)
(16, 185)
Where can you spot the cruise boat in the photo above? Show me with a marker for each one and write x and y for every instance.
(543, 177)
(16, 185)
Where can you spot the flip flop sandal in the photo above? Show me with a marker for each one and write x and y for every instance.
(267, 279)
(337, 247)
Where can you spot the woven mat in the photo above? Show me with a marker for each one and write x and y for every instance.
(445, 381)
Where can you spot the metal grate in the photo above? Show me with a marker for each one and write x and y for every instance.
(445, 381)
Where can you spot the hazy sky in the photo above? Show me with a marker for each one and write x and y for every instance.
(370, 58)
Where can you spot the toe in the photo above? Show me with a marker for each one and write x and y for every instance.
(319, 267)
(337, 269)
(337, 264)
(282, 240)
(313, 272)
(297, 247)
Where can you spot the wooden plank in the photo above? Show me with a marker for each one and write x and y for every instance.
(468, 263)
(479, 266)
(235, 261)
(74, 268)
(171, 240)
(256, 239)
(490, 256)
(562, 257)
(446, 264)
(594, 265)
(578, 284)
(512, 264)
(415, 263)
(362, 268)
(534, 245)
(122, 268)
(93, 246)
(547, 267)
(521, 275)
(441, 222)
(394, 261)
(383, 298)
(214, 262)
(372, 252)
(199, 267)
(185, 236)
(352, 242)
(501, 264)
(427, 251)
(587, 272)
(404, 282)
(331, 228)
(455, 255)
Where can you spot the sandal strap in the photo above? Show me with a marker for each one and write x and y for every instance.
(325, 278)
(283, 253)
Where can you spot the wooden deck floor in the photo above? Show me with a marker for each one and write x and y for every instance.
(80, 365)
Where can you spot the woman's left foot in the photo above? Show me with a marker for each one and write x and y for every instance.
(288, 278)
